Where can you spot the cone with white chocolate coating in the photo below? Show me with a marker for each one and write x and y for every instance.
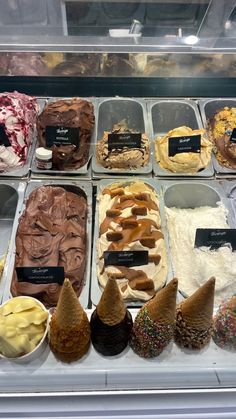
(69, 327)
(155, 323)
(194, 317)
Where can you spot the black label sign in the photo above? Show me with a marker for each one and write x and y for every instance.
(215, 237)
(60, 135)
(124, 139)
(126, 258)
(4, 140)
(233, 136)
(185, 144)
(44, 275)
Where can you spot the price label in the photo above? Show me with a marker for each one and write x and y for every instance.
(4, 140)
(185, 144)
(42, 275)
(233, 136)
(60, 135)
(124, 139)
(126, 258)
(215, 238)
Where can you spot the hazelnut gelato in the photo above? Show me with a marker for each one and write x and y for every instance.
(188, 162)
(68, 113)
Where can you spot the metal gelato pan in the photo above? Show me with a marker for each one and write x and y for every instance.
(96, 289)
(193, 194)
(165, 115)
(12, 195)
(112, 111)
(230, 190)
(82, 170)
(76, 187)
(208, 107)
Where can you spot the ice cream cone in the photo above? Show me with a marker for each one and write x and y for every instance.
(69, 327)
(111, 309)
(161, 308)
(197, 309)
(194, 318)
(224, 325)
(155, 323)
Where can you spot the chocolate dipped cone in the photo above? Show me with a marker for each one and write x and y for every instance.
(111, 322)
(69, 327)
(194, 317)
(224, 325)
(154, 325)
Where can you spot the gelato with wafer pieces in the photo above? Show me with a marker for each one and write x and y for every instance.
(111, 322)
(155, 323)
(224, 325)
(69, 327)
(194, 318)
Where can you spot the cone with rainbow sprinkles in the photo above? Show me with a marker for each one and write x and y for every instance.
(155, 323)
(69, 327)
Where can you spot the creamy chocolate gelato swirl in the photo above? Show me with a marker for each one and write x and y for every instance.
(51, 232)
(222, 125)
(73, 113)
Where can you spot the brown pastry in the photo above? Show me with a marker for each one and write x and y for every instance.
(69, 327)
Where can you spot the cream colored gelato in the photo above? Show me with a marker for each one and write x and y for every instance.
(122, 158)
(183, 162)
(23, 323)
(129, 220)
(194, 266)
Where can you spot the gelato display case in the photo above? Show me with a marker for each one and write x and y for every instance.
(134, 106)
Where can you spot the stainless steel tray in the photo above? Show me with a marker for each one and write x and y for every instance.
(191, 194)
(167, 114)
(96, 290)
(112, 111)
(230, 187)
(208, 107)
(78, 172)
(87, 188)
(12, 195)
(23, 171)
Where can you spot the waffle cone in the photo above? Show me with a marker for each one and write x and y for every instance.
(68, 311)
(162, 307)
(69, 327)
(111, 309)
(197, 309)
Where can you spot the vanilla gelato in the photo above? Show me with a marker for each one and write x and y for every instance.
(194, 266)
(23, 324)
(126, 157)
(129, 220)
(188, 162)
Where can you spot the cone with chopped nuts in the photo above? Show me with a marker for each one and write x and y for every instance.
(194, 318)
(155, 323)
(111, 322)
(224, 325)
(69, 327)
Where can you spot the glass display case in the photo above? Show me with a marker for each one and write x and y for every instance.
(168, 56)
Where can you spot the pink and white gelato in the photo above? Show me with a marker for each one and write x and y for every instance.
(17, 121)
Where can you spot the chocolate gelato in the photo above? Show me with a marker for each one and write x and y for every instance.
(122, 158)
(68, 113)
(222, 125)
(51, 232)
(78, 65)
(117, 65)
